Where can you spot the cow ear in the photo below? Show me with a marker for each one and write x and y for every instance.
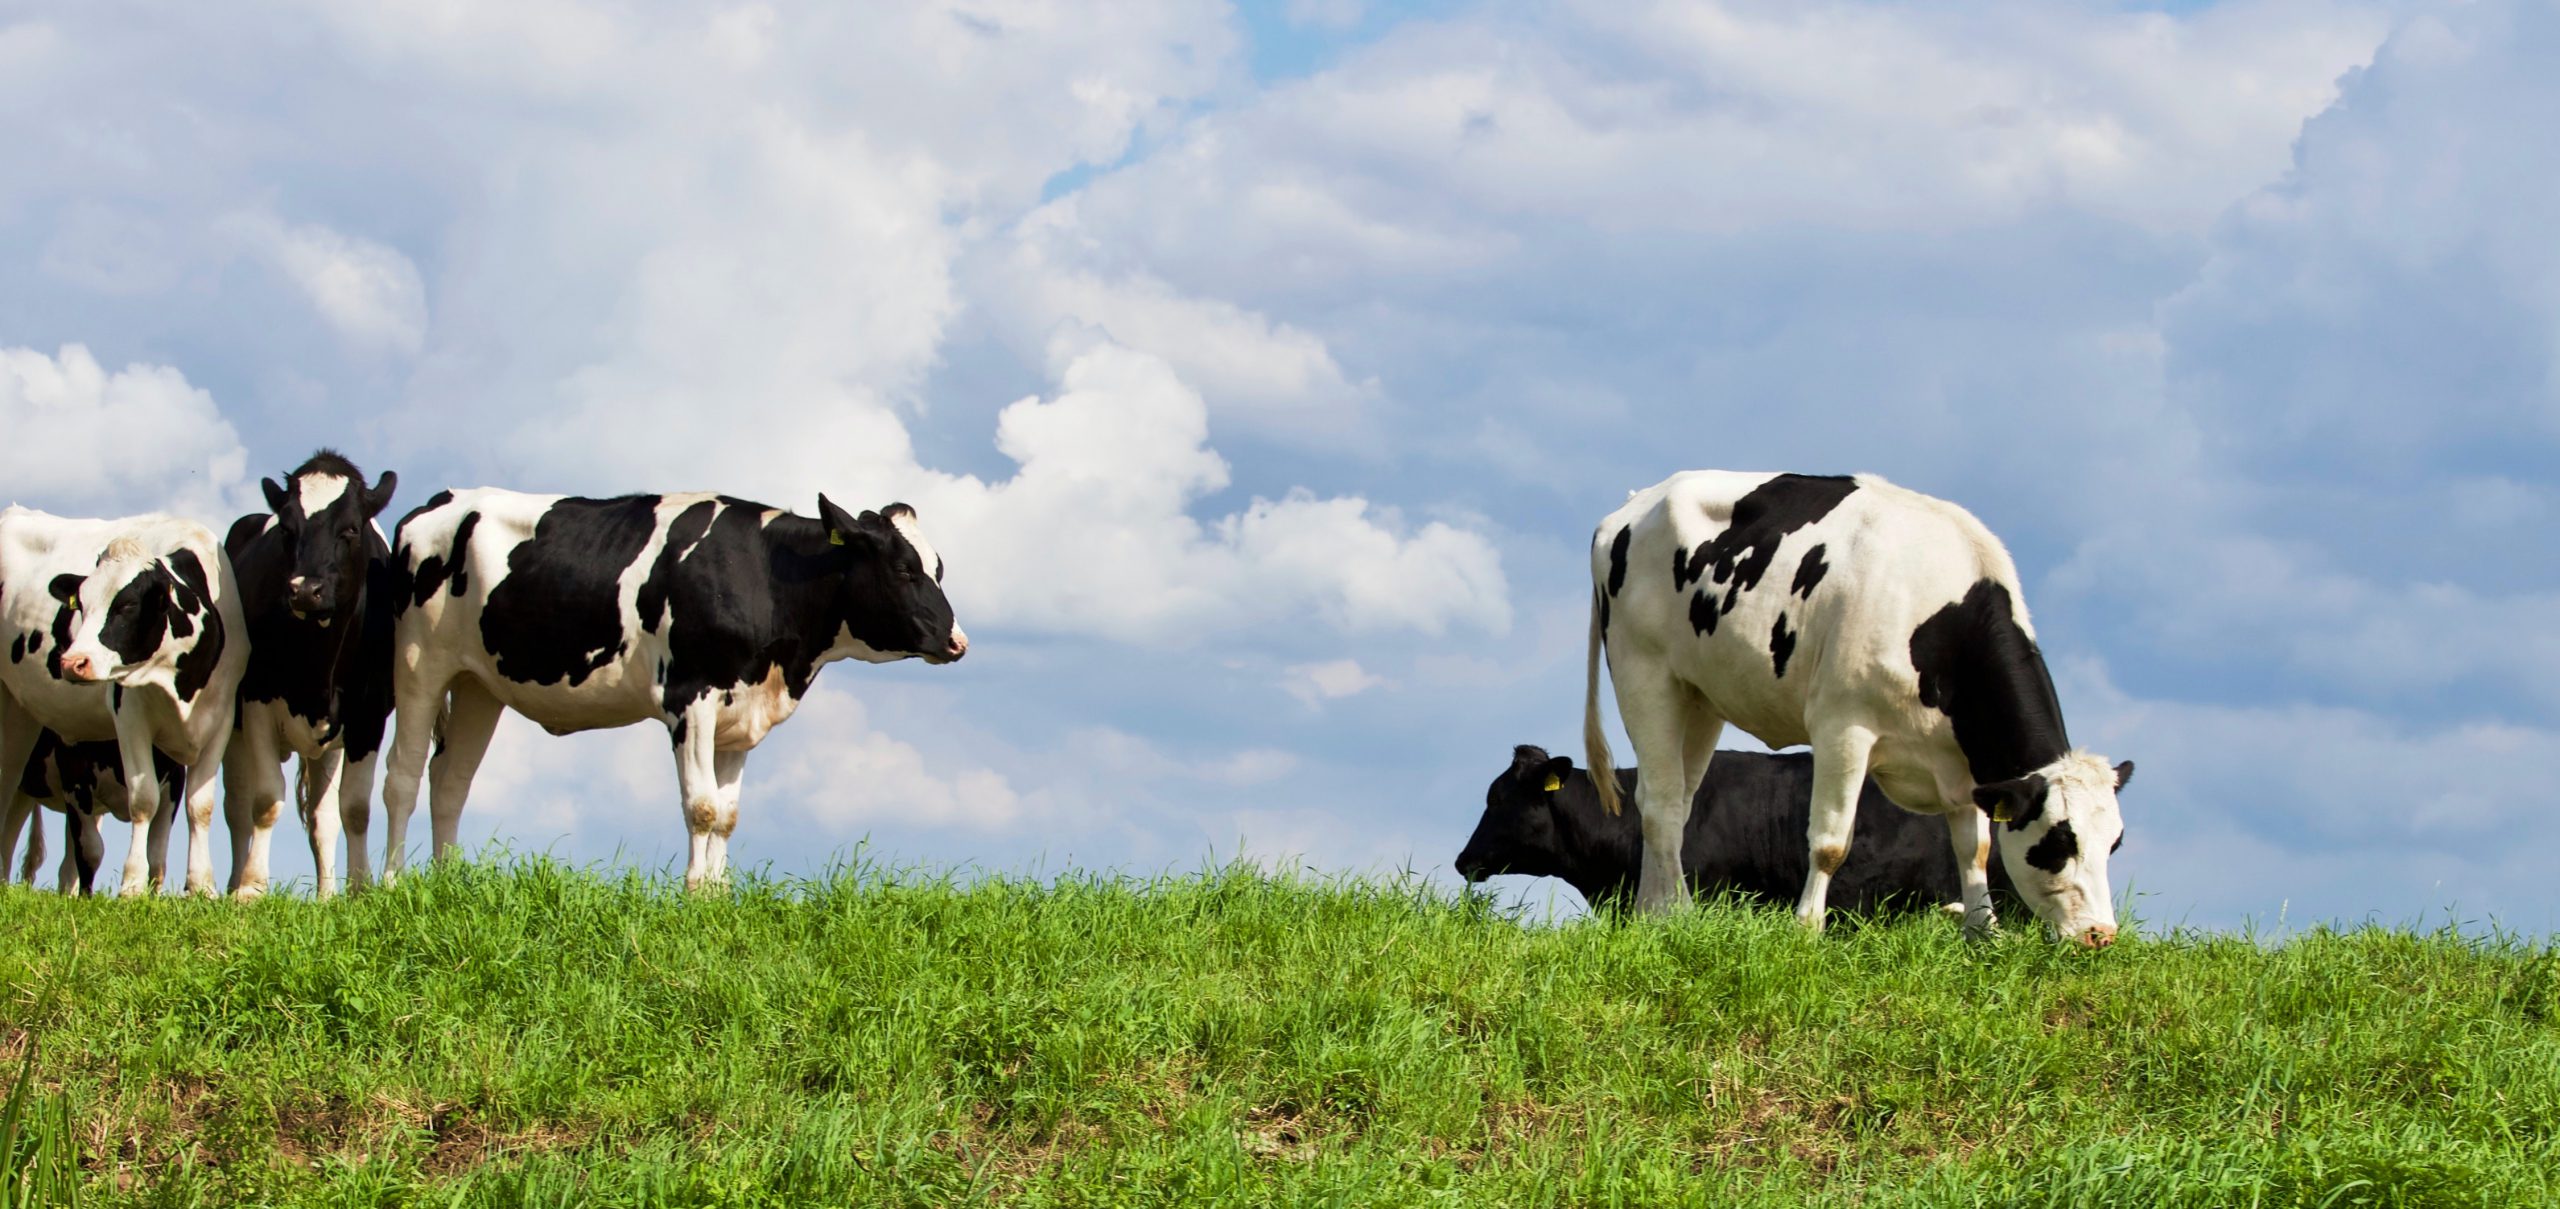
(378, 496)
(66, 588)
(841, 525)
(1552, 776)
(276, 496)
(2124, 775)
(2009, 801)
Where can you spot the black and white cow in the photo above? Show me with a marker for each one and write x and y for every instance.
(126, 630)
(1543, 818)
(1881, 626)
(319, 679)
(708, 614)
(84, 782)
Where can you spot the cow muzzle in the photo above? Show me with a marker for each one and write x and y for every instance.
(80, 668)
(2095, 936)
(958, 646)
(308, 600)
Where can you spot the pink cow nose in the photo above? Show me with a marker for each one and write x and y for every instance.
(78, 667)
(959, 644)
(2098, 936)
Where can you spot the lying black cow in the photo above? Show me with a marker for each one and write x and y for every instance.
(1542, 817)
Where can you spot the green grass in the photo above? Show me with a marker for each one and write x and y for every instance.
(534, 1035)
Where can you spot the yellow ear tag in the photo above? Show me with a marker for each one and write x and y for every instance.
(2002, 813)
(1554, 783)
(834, 538)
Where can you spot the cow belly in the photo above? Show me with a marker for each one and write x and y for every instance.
(603, 701)
(79, 713)
(1735, 679)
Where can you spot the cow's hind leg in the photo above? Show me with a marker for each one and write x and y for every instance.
(34, 827)
(17, 745)
(470, 719)
(355, 814)
(1839, 770)
(87, 850)
(1665, 720)
(416, 714)
(1969, 833)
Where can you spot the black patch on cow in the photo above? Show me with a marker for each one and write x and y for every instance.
(1781, 645)
(557, 616)
(138, 615)
(2056, 849)
(687, 529)
(1809, 573)
(1762, 519)
(1618, 559)
(449, 569)
(61, 631)
(1981, 670)
(1703, 613)
(2021, 799)
(18, 646)
(196, 664)
(1600, 601)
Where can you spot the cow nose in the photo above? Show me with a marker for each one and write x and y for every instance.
(959, 643)
(306, 596)
(78, 667)
(2098, 936)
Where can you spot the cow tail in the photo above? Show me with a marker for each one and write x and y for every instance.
(1595, 741)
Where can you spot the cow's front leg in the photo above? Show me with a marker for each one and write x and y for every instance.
(1969, 833)
(204, 779)
(316, 797)
(1839, 770)
(252, 797)
(471, 717)
(18, 814)
(85, 849)
(698, 783)
(142, 797)
(731, 768)
(17, 745)
(355, 813)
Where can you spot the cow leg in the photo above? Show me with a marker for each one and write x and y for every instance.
(731, 769)
(142, 794)
(698, 784)
(317, 800)
(355, 812)
(17, 745)
(471, 717)
(252, 797)
(1662, 716)
(416, 714)
(87, 850)
(1839, 770)
(203, 785)
(163, 821)
(18, 807)
(1969, 833)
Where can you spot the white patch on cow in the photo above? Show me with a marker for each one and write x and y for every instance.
(905, 523)
(318, 491)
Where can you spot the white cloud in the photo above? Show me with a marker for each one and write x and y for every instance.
(1093, 533)
(369, 293)
(845, 776)
(83, 440)
(1316, 683)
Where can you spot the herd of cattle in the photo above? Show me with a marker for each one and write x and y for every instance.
(1881, 627)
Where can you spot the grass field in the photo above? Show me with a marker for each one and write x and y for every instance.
(534, 1035)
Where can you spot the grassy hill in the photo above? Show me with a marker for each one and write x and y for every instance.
(533, 1035)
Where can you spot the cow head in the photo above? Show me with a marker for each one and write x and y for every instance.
(140, 618)
(890, 596)
(325, 511)
(1519, 832)
(2056, 827)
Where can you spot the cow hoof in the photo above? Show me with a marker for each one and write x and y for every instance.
(250, 893)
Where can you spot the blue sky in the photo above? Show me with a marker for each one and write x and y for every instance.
(1261, 372)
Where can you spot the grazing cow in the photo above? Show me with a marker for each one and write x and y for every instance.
(126, 630)
(708, 614)
(1542, 817)
(319, 679)
(84, 781)
(1881, 626)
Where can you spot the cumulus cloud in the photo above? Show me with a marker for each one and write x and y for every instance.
(84, 440)
(846, 776)
(1094, 534)
(1316, 683)
(369, 293)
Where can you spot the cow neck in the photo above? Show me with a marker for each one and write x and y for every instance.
(807, 580)
(1978, 664)
(294, 660)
